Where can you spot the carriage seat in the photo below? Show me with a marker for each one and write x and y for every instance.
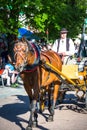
(71, 71)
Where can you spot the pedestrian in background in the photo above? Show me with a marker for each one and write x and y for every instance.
(9, 74)
(64, 46)
(4, 56)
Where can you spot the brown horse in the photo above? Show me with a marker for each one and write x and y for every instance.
(37, 78)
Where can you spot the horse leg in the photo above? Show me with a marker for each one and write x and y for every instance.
(53, 94)
(42, 99)
(33, 115)
(51, 104)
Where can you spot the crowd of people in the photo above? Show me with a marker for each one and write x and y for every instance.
(9, 73)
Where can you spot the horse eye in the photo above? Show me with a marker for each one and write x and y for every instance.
(24, 50)
(32, 51)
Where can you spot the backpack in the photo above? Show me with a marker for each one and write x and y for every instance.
(67, 45)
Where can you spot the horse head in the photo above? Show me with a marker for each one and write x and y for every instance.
(25, 55)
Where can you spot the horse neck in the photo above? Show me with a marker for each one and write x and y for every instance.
(30, 58)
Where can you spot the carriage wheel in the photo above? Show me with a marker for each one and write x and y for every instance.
(86, 89)
(86, 100)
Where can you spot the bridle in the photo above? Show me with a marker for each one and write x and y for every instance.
(30, 47)
(18, 50)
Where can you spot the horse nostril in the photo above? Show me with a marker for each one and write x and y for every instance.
(14, 64)
(20, 68)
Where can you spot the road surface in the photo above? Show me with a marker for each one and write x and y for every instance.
(14, 113)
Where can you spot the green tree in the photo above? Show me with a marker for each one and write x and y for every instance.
(43, 15)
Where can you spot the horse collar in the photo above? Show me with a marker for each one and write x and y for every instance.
(33, 67)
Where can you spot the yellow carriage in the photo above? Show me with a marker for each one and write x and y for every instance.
(72, 80)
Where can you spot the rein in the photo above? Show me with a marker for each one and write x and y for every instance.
(44, 65)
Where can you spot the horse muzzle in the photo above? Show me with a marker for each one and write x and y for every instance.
(19, 68)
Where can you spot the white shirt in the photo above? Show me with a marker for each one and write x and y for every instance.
(62, 47)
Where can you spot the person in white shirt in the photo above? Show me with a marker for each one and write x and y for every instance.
(10, 74)
(5, 75)
(77, 43)
(64, 46)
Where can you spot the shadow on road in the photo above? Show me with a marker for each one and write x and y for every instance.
(71, 102)
(12, 111)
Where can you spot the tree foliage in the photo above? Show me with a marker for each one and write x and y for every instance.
(43, 15)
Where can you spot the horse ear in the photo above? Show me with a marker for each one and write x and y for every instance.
(23, 39)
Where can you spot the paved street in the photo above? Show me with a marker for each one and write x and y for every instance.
(14, 114)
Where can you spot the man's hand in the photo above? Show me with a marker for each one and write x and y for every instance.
(62, 55)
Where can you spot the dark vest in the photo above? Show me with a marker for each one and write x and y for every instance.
(67, 44)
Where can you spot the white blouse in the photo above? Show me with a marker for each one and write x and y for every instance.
(62, 47)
